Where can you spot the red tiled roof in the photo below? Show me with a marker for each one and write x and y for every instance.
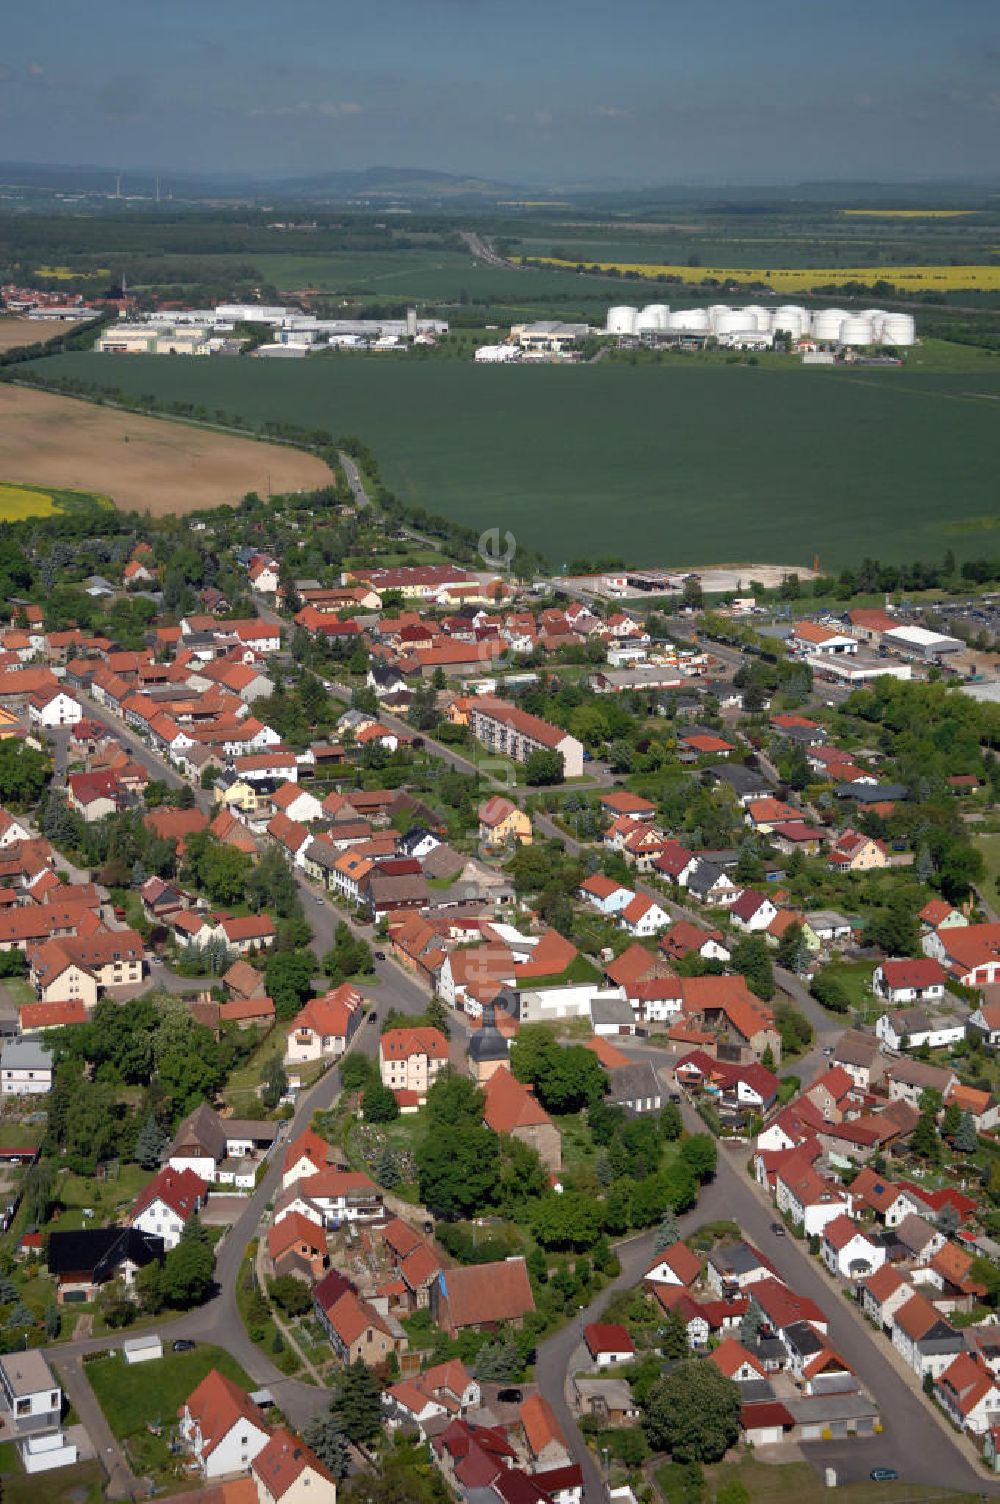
(607, 1337)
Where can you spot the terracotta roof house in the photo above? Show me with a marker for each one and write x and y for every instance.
(608, 1343)
(546, 1443)
(482, 1295)
(511, 1107)
(222, 1427)
(676, 1265)
(287, 1469)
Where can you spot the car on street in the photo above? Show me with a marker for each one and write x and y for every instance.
(380, 955)
(183, 1345)
(829, 1049)
(883, 1475)
(778, 1228)
(318, 898)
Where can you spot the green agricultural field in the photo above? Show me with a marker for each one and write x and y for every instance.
(671, 464)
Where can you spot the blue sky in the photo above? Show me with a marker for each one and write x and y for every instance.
(662, 91)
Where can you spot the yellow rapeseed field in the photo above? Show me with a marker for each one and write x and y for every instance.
(803, 279)
(65, 273)
(912, 213)
(19, 502)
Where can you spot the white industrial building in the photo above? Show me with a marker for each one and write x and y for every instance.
(755, 327)
(201, 331)
(919, 642)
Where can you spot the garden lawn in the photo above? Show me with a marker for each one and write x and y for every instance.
(132, 1396)
(989, 846)
(80, 1484)
(791, 1482)
(856, 979)
(104, 1197)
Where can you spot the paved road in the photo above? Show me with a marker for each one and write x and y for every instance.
(122, 1482)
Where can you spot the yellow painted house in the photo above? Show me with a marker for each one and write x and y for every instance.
(502, 823)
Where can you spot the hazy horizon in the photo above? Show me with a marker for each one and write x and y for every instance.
(649, 92)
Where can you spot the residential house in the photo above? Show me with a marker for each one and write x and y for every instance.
(923, 1338)
(30, 1395)
(911, 1028)
(296, 1245)
(81, 1262)
(752, 911)
(503, 823)
(608, 1344)
(808, 1199)
(676, 1265)
(909, 1079)
(170, 1199)
(854, 852)
(410, 1060)
(324, 1026)
(642, 917)
(221, 1427)
(286, 1471)
(909, 981)
(882, 1294)
(25, 1068)
(848, 1251)
(968, 1394)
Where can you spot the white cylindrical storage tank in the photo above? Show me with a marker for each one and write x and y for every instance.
(716, 311)
(791, 319)
(856, 330)
(898, 329)
(694, 319)
(622, 319)
(653, 316)
(734, 321)
(756, 317)
(827, 322)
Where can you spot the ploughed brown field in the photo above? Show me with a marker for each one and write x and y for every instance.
(146, 464)
(14, 332)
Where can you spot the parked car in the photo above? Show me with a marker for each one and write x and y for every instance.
(778, 1228)
(380, 955)
(883, 1475)
(183, 1345)
(509, 1396)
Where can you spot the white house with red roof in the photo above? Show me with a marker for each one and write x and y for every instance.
(323, 1027)
(676, 1265)
(605, 895)
(608, 1343)
(642, 917)
(304, 1156)
(969, 953)
(221, 1427)
(802, 1194)
(968, 1394)
(752, 911)
(848, 1251)
(911, 980)
(167, 1202)
(263, 574)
